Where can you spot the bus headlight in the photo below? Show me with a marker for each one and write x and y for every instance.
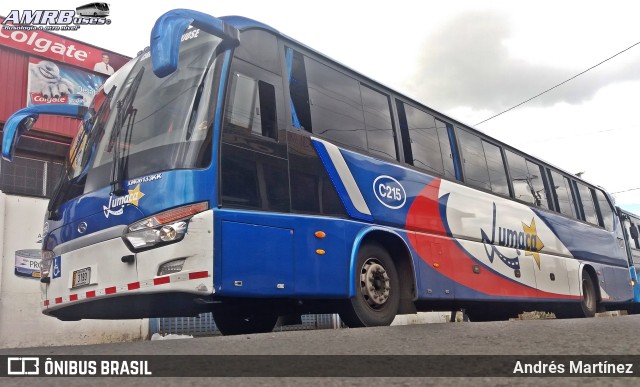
(165, 227)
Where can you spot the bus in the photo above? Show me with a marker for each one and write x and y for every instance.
(231, 169)
(93, 9)
(631, 229)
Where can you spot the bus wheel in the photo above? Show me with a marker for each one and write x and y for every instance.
(589, 302)
(239, 323)
(377, 290)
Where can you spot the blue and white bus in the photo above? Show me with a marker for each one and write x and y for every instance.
(232, 169)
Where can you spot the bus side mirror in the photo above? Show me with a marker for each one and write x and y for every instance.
(634, 231)
(23, 120)
(18, 124)
(166, 36)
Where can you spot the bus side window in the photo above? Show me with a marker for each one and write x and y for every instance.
(297, 75)
(420, 137)
(336, 105)
(445, 148)
(252, 106)
(563, 194)
(587, 203)
(497, 171)
(526, 177)
(381, 139)
(606, 212)
(474, 162)
(636, 240)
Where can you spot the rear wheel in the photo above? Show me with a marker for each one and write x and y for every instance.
(234, 322)
(589, 304)
(377, 290)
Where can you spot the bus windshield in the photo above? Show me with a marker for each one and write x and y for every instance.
(145, 124)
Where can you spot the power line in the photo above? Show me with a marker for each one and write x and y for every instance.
(626, 190)
(559, 84)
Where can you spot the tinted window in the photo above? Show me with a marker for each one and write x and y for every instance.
(336, 105)
(606, 211)
(300, 112)
(445, 147)
(588, 206)
(541, 198)
(497, 172)
(423, 137)
(261, 49)
(251, 106)
(473, 160)
(526, 178)
(563, 194)
(377, 118)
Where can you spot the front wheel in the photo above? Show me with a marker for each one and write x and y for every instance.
(377, 290)
(233, 322)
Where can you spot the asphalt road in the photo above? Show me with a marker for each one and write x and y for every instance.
(597, 336)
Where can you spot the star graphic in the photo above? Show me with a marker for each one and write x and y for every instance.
(135, 195)
(533, 248)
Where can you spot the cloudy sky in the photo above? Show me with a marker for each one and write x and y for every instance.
(469, 59)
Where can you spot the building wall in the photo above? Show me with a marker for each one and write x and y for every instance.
(21, 322)
(13, 78)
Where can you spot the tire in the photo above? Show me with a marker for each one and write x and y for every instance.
(377, 290)
(589, 303)
(241, 323)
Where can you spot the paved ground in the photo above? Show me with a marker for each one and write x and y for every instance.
(597, 336)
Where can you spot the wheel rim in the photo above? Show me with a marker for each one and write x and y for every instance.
(374, 284)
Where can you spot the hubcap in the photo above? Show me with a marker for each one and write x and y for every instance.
(374, 283)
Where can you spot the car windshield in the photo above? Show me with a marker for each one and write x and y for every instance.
(155, 124)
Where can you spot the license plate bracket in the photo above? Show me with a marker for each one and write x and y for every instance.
(81, 277)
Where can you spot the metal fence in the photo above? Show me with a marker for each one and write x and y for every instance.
(27, 176)
(203, 325)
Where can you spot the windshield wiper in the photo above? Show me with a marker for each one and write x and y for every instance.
(126, 113)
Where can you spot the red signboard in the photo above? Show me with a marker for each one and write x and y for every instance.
(60, 49)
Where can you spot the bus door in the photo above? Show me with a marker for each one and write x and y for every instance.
(257, 253)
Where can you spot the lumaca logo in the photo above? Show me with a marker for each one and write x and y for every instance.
(49, 20)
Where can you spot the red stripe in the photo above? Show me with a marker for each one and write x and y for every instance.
(91, 293)
(73, 297)
(110, 290)
(198, 274)
(59, 300)
(46, 302)
(133, 286)
(161, 280)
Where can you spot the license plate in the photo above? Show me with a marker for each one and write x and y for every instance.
(81, 277)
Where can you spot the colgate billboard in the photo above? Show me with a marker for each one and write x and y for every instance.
(59, 49)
